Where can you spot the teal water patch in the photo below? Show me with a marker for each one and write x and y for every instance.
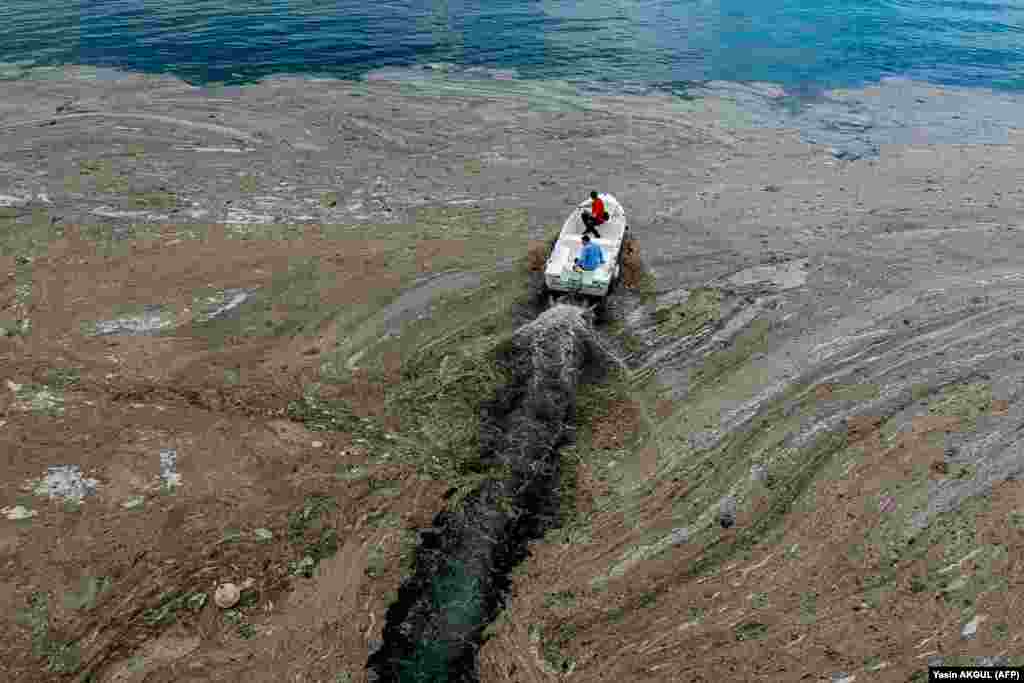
(805, 46)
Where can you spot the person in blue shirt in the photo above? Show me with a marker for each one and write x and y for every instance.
(590, 256)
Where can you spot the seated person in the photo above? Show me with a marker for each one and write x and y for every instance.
(596, 216)
(590, 256)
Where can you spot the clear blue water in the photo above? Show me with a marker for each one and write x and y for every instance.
(781, 60)
(802, 45)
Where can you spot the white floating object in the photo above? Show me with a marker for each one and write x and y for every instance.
(168, 468)
(318, 444)
(8, 200)
(233, 150)
(970, 629)
(227, 595)
(133, 502)
(65, 481)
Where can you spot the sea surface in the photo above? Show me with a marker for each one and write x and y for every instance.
(783, 58)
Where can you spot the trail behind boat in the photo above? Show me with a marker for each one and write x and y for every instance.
(262, 347)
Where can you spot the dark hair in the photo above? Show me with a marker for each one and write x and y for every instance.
(593, 195)
(586, 238)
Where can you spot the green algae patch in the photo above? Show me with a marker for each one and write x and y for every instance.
(37, 398)
(289, 305)
(440, 399)
(966, 401)
(89, 590)
(552, 649)
(718, 364)
(61, 657)
(321, 415)
(61, 379)
(301, 520)
(154, 199)
(751, 631)
(248, 184)
(962, 571)
(27, 236)
(102, 174)
(724, 468)
(448, 367)
(539, 95)
(701, 308)
(311, 534)
(854, 392)
(483, 237)
(170, 604)
(716, 473)
(265, 231)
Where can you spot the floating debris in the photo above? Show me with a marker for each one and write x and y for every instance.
(996, 660)
(227, 595)
(152, 320)
(727, 512)
(168, 468)
(758, 472)
(957, 565)
(263, 535)
(970, 629)
(111, 212)
(133, 502)
(229, 150)
(66, 482)
(196, 601)
(223, 303)
(11, 201)
(704, 439)
(679, 535)
(18, 512)
(238, 220)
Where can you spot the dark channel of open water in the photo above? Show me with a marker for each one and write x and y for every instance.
(797, 50)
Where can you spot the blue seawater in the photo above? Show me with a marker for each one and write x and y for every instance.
(802, 48)
(807, 45)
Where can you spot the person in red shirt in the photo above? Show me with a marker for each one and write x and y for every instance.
(596, 216)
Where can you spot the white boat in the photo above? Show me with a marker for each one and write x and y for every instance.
(560, 278)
